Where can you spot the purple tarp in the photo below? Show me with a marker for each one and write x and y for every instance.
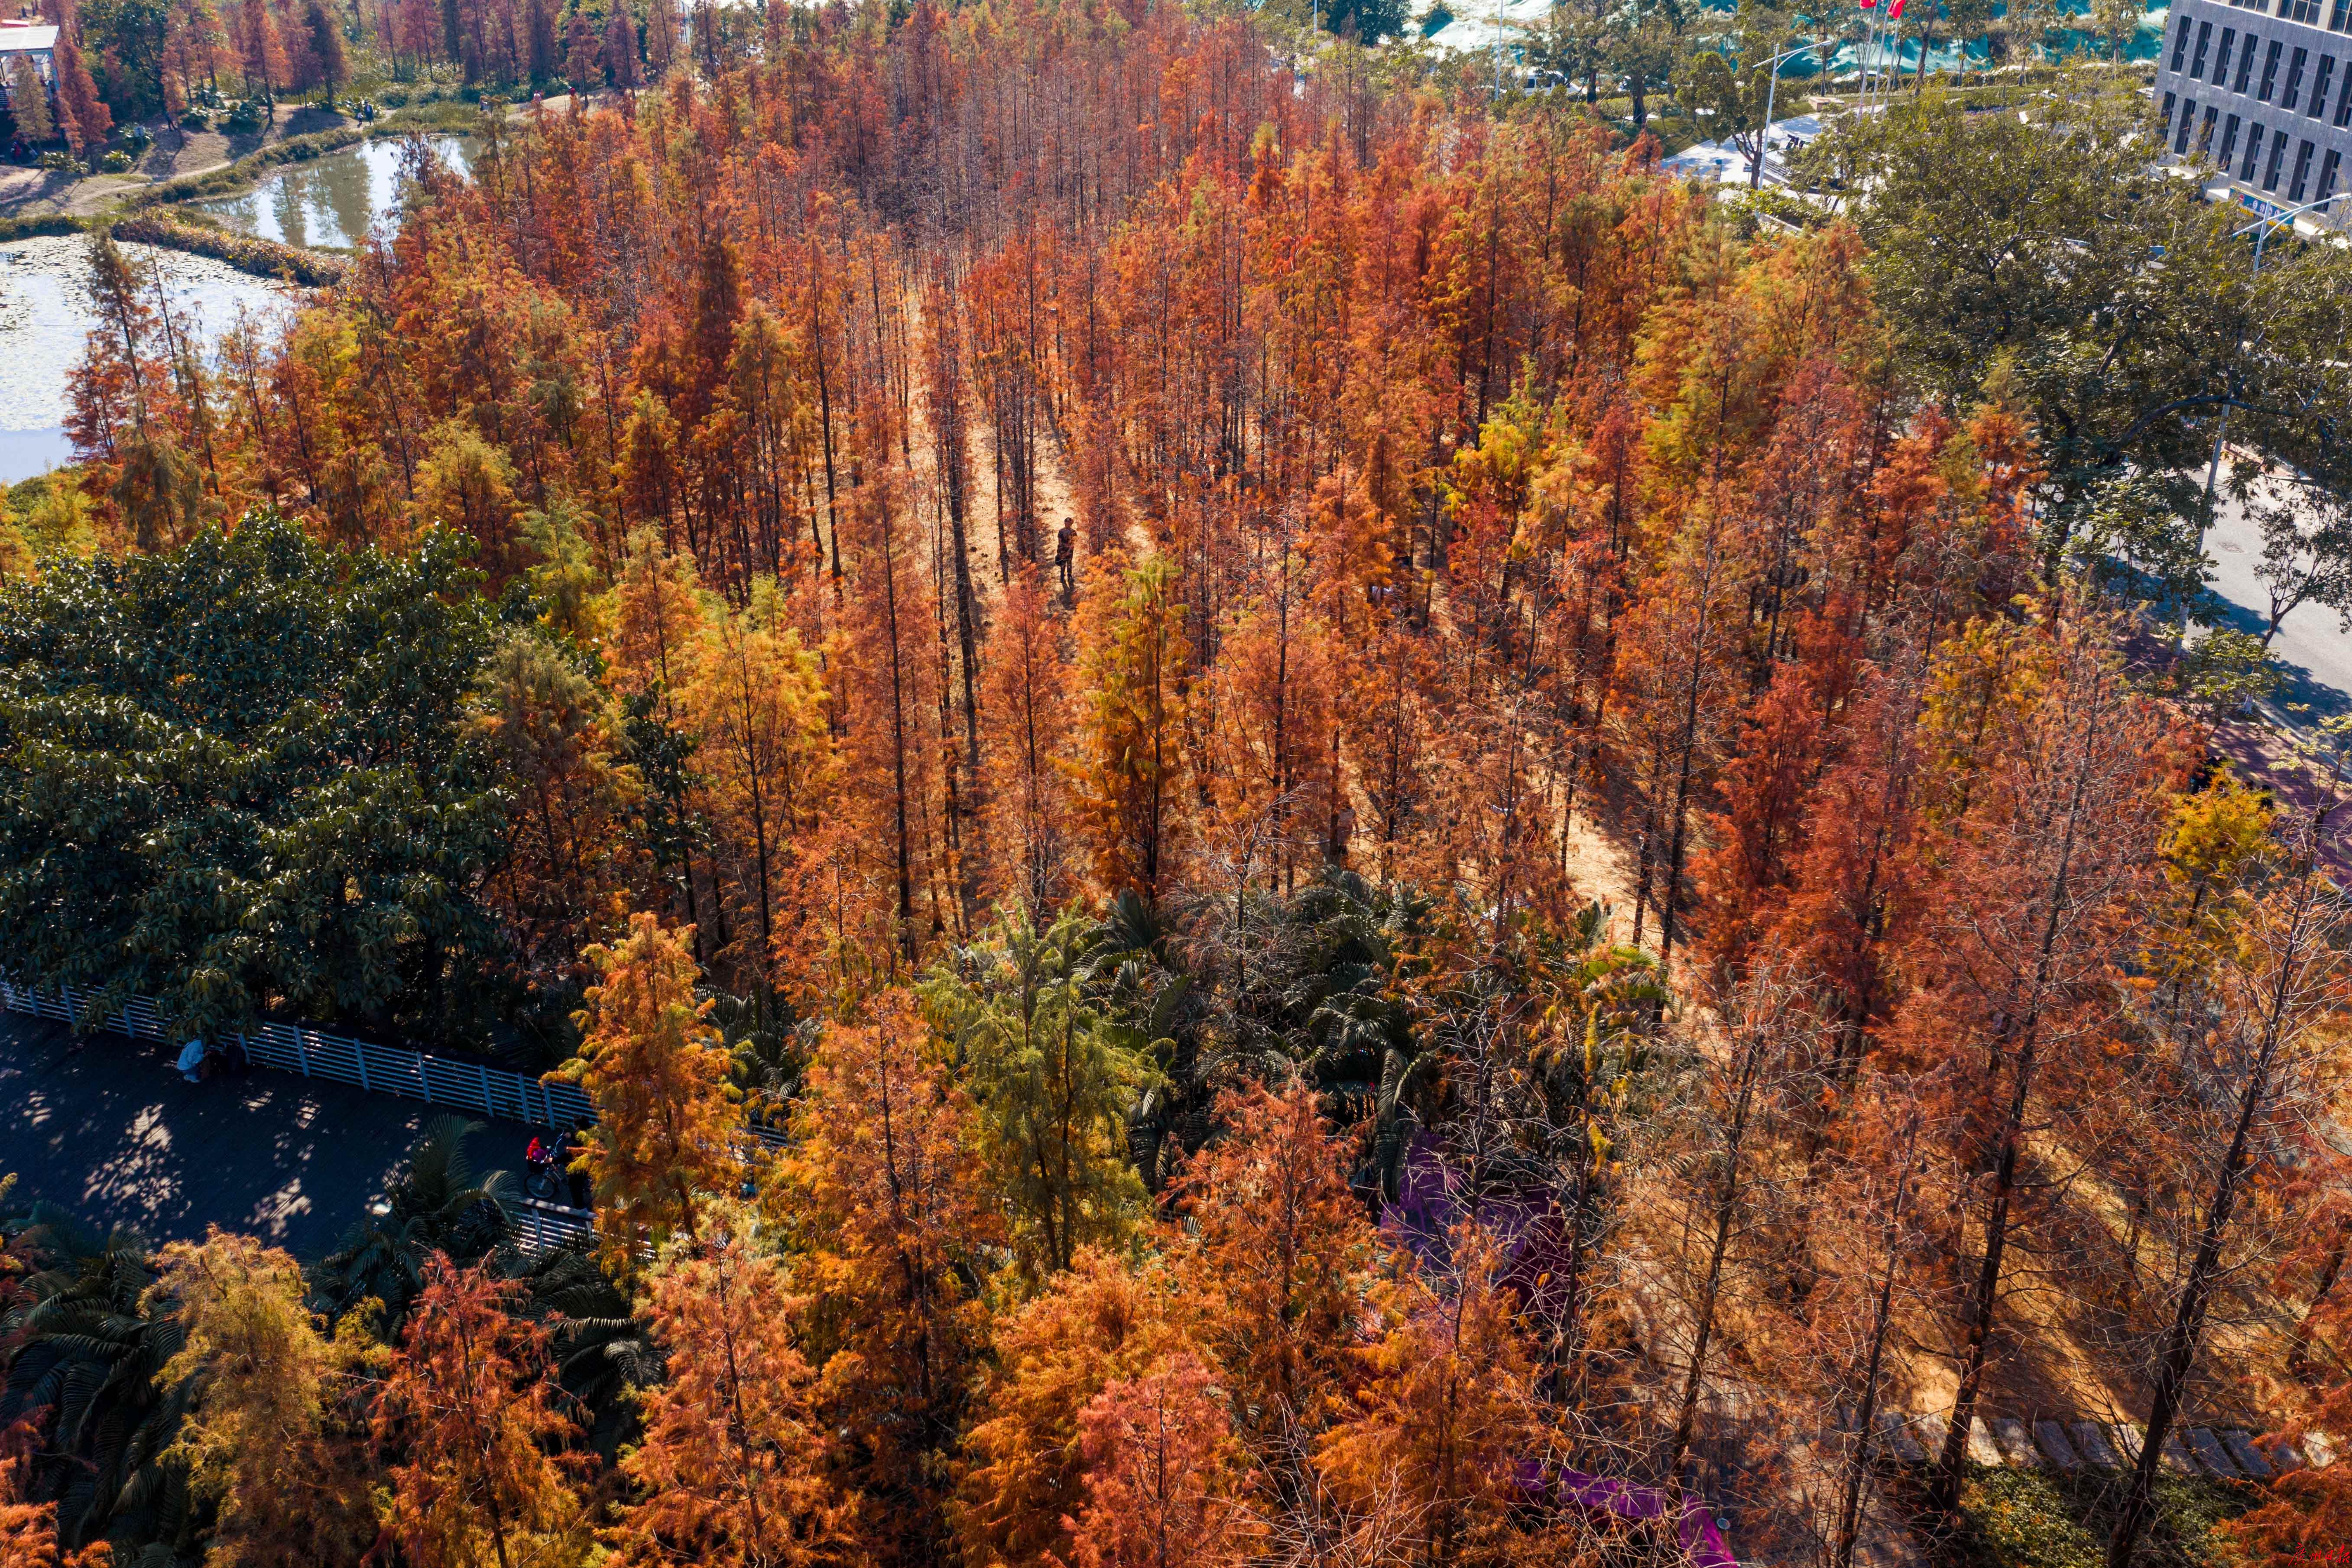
(1428, 1205)
(1703, 1544)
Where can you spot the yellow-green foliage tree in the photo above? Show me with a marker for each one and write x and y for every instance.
(1131, 763)
(274, 1439)
(1053, 1084)
(666, 1117)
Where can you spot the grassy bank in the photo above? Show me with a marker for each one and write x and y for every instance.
(261, 258)
(442, 116)
(44, 224)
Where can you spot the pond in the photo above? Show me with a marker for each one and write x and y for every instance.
(328, 203)
(44, 321)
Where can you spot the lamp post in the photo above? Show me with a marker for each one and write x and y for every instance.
(1771, 96)
(2266, 224)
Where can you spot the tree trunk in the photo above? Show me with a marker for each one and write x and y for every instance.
(2179, 1354)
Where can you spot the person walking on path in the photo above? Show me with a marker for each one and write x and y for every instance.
(1065, 549)
(575, 1149)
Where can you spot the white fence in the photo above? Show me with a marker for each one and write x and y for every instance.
(378, 1069)
(538, 1227)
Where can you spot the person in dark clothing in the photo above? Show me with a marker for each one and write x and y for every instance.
(1066, 549)
(575, 1149)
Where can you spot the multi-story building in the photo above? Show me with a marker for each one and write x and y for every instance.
(37, 42)
(2258, 95)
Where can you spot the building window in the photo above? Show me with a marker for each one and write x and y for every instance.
(2254, 152)
(2188, 121)
(2270, 69)
(2181, 43)
(2204, 39)
(2205, 136)
(2170, 99)
(2228, 143)
(2245, 63)
(2327, 170)
(2278, 161)
(2337, 18)
(2302, 174)
(2301, 11)
(2343, 102)
(2294, 76)
(2222, 60)
(2319, 87)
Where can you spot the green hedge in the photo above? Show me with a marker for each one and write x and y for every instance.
(2040, 1519)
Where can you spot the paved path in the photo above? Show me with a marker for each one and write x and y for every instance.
(2311, 641)
(106, 1127)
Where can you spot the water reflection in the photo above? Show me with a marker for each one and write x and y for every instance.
(44, 322)
(329, 203)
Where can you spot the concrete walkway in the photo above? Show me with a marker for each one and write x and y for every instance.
(106, 1127)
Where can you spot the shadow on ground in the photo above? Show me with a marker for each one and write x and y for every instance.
(107, 1127)
(2307, 699)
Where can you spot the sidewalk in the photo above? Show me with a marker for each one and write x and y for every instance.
(105, 1127)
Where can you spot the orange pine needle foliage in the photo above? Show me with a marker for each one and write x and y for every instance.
(667, 1117)
(1164, 1477)
(464, 1421)
(730, 1471)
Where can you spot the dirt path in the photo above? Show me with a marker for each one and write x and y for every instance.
(175, 155)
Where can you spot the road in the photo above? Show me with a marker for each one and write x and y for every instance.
(2310, 641)
(106, 1127)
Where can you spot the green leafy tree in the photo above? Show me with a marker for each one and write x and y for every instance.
(2139, 534)
(127, 40)
(233, 773)
(29, 99)
(2056, 266)
(1730, 104)
(1053, 1084)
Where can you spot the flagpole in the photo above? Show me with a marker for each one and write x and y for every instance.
(1869, 37)
(1892, 80)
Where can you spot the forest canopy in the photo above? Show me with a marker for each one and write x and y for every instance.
(1282, 820)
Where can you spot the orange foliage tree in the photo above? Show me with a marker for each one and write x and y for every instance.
(465, 1420)
(667, 1115)
(880, 1195)
(729, 1471)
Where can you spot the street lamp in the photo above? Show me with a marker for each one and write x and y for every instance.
(1772, 95)
(2266, 223)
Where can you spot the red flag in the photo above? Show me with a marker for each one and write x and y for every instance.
(1894, 12)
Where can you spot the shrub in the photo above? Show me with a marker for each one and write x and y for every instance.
(261, 258)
